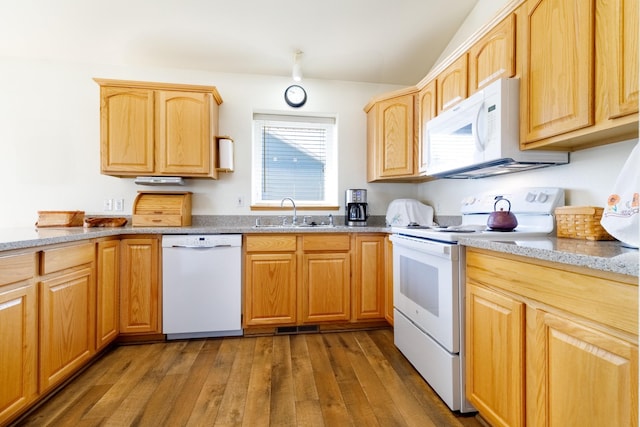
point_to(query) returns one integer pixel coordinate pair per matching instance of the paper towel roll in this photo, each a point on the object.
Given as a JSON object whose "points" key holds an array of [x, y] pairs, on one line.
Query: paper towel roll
{"points": [[225, 153]]}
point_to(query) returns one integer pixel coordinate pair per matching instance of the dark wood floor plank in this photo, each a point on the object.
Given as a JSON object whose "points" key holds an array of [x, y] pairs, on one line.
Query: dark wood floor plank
{"points": [[77, 409], [234, 399], [170, 380], [382, 403], [283, 401], [403, 399], [186, 395], [182, 364], [257, 408], [425, 395], [333, 408], [353, 394], [130, 410], [307, 402], [328, 379], [127, 380], [208, 401], [66, 397], [304, 385]]}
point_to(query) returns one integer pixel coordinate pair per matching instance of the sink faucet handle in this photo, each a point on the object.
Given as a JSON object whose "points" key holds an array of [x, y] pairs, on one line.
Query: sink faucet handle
{"points": [[330, 219], [304, 219]]}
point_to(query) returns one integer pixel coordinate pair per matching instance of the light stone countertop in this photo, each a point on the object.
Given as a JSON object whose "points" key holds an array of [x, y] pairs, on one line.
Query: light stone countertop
{"points": [[29, 237], [602, 255], [609, 256]]}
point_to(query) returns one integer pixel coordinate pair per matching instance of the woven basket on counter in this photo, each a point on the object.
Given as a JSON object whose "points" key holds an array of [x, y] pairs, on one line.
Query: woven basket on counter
{"points": [[580, 222]]}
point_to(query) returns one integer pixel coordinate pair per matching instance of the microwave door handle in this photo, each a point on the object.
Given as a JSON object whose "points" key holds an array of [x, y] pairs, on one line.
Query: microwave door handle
{"points": [[479, 143]]}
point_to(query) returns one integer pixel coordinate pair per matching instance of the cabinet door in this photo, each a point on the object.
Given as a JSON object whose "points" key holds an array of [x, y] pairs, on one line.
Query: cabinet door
{"points": [[270, 289], [18, 334], [140, 298], [493, 56], [185, 133], [388, 281], [620, 55], [557, 83], [325, 287], [452, 84], [394, 137], [591, 378], [67, 325], [427, 109], [126, 131], [107, 281], [495, 356], [369, 278]]}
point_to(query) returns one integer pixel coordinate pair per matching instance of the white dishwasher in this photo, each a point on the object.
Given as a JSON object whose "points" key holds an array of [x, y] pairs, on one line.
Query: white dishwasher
{"points": [[201, 285]]}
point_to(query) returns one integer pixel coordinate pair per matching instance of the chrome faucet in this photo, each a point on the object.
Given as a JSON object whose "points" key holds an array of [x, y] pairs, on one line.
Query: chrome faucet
{"points": [[294, 220]]}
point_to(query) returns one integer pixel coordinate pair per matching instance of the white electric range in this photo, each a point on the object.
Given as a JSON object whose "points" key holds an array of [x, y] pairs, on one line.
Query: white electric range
{"points": [[428, 282]]}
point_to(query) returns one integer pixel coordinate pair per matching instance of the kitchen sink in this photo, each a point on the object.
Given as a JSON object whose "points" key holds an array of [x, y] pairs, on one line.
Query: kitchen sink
{"points": [[289, 226]]}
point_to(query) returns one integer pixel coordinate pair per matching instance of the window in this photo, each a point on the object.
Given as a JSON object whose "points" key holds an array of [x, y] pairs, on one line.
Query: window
{"points": [[294, 156]]}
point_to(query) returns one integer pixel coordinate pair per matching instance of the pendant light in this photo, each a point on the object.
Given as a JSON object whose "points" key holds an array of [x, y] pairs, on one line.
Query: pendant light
{"points": [[296, 72]]}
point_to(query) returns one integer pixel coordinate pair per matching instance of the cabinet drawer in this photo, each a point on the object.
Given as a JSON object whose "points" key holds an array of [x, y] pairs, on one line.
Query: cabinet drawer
{"points": [[324, 242], [15, 268], [271, 243], [60, 258], [159, 220]]}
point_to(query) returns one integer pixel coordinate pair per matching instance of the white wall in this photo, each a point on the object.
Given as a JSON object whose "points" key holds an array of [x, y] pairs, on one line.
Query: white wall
{"points": [[49, 137], [588, 179]]}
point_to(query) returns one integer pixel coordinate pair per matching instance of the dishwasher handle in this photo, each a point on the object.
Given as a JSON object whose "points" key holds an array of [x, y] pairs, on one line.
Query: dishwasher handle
{"points": [[228, 245]]}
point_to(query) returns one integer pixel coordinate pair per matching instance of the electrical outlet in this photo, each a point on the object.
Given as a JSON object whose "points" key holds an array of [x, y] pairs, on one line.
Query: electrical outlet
{"points": [[239, 201], [118, 205], [107, 205]]}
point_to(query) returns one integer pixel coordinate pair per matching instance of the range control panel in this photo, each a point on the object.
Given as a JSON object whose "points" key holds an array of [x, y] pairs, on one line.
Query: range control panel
{"points": [[535, 200]]}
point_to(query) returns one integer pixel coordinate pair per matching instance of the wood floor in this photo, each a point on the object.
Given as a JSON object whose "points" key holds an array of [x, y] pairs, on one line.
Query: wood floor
{"points": [[329, 379]]}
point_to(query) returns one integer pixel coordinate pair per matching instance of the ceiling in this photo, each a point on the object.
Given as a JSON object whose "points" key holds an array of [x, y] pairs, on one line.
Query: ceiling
{"points": [[376, 41]]}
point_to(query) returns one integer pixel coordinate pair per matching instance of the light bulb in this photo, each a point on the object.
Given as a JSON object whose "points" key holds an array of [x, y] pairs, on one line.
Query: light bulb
{"points": [[296, 72]]}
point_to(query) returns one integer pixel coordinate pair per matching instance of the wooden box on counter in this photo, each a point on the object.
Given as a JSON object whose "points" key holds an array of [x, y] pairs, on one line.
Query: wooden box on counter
{"points": [[162, 209]]}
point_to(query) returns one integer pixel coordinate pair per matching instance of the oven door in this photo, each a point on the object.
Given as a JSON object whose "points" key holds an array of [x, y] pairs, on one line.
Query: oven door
{"points": [[426, 287]]}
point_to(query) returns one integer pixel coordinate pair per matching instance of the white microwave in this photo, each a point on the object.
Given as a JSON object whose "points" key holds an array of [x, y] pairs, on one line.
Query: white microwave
{"points": [[480, 137]]}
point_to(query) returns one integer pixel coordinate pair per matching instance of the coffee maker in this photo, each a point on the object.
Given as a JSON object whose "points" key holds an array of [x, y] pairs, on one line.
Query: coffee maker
{"points": [[355, 207]]}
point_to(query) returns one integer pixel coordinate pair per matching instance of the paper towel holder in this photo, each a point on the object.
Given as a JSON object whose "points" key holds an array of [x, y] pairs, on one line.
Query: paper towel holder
{"points": [[225, 160]]}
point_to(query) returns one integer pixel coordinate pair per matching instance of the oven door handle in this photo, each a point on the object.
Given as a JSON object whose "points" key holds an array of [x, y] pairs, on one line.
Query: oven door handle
{"points": [[422, 245]]}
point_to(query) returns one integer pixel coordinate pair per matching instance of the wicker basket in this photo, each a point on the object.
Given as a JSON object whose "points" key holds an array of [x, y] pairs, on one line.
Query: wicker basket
{"points": [[580, 222]]}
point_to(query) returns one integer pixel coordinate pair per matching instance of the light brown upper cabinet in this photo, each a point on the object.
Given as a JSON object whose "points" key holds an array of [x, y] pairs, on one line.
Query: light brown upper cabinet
{"points": [[158, 129], [557, 84], [579, 73], [493, 56], [452, 84], [391, 138], [427, 109], [620, 56]]}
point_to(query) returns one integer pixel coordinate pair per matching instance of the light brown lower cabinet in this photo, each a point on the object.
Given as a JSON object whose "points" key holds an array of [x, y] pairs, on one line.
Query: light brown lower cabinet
{"points": [[325, 291], [67, 312], [140, 295], [18, 334], [108, 292], [297, 279], [388, 279], [548, 345], [369, 277], [270, 292]]}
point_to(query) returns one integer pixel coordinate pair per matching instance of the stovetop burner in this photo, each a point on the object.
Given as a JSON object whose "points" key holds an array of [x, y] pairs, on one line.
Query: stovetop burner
{"points": [[533, 206]]}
